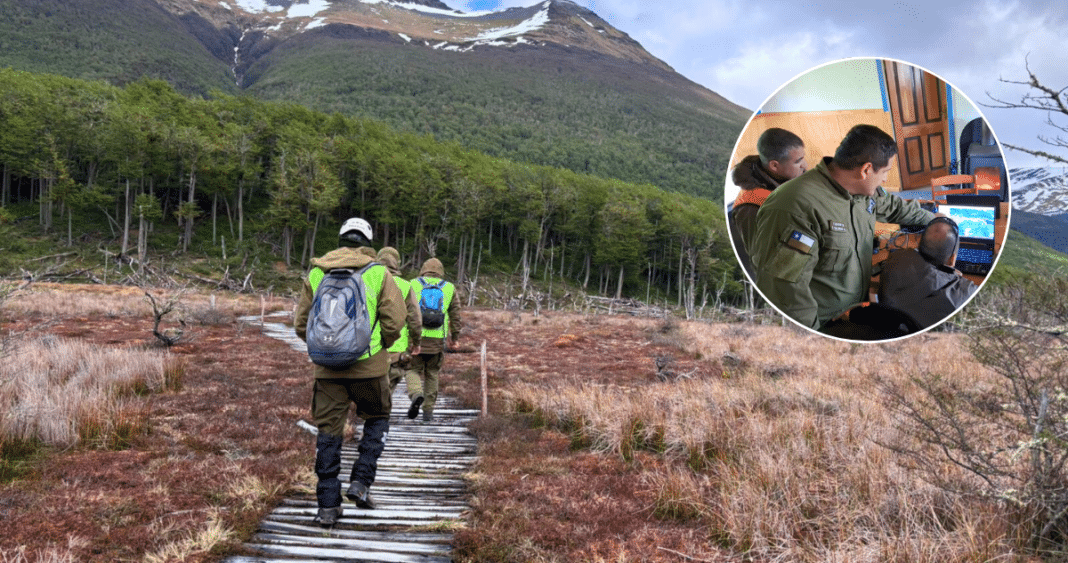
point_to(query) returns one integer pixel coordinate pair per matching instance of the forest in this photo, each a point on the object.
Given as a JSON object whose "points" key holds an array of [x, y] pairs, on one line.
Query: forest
{"points": [[239, 176]]}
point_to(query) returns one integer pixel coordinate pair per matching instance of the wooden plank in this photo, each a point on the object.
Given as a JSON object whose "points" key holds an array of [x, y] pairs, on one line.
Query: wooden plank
{"points": [[285, 528], [338, 555], [378, 513], [419, 488], [413, 548]]}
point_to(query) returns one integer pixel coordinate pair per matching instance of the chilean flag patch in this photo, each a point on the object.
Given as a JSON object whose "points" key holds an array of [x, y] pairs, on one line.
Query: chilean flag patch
{"points": [[800, 241]]}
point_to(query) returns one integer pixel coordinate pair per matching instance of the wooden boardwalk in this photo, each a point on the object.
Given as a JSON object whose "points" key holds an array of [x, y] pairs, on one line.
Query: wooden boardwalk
{"points": [[419, 490]]}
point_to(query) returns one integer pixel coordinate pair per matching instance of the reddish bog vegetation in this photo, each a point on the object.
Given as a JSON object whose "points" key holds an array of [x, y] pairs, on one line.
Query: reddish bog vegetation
{"points": [[222, 450]]}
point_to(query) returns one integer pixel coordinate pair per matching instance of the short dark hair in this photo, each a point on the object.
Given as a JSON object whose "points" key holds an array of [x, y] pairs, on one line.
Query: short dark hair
{"points": [[865, 143], [353, 239], [939, 250], [776, 144]]}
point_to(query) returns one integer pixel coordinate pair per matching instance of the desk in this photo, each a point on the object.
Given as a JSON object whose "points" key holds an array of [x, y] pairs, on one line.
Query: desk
{"points": [[886, 230]]}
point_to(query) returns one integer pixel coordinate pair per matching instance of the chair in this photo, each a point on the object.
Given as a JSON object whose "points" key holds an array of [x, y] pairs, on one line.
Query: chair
{"points": [[952, 185]]}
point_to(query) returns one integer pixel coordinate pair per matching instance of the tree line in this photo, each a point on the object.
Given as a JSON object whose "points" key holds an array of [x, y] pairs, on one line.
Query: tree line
{"points": [[228, 168]]}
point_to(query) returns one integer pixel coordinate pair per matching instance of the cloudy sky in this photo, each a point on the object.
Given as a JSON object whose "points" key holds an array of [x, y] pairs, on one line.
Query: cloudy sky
{"points": [[745, 50]]}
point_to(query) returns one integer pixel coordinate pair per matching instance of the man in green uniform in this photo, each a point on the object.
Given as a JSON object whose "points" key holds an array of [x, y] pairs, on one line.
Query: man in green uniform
{"points": [[813, 247], [780, 157], [400, 353], [422, 376], [365, 383]]}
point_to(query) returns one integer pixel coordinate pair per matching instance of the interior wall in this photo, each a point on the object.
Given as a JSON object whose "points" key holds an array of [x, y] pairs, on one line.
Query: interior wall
{"points": [[820, 130], [844, 85]]}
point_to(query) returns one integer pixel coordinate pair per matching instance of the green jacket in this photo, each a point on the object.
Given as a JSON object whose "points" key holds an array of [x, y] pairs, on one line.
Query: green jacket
{"points": [[413, 329], [813, 247], [388, 311], [433, 340]]}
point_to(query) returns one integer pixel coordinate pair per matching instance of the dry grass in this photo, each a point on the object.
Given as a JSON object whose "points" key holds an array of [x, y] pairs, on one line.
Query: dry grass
{"points": [[767, 451], [64, 300], [773, 448], [64, 392], [205, 428], [198, 542]]}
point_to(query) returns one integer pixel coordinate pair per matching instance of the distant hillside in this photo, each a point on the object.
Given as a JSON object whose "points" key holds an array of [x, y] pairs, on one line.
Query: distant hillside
{"points": [[116, 41], [550, 84], [1024, 256], [1050, 230], [545, 105]]}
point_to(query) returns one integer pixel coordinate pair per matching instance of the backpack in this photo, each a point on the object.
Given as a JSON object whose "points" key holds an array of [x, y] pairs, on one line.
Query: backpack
{"points": [[432, 303], [339, 324]]}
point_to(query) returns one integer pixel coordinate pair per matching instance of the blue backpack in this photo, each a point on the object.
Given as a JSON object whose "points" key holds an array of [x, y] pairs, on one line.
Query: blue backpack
{"points": [[339, 324], [432, 303]]}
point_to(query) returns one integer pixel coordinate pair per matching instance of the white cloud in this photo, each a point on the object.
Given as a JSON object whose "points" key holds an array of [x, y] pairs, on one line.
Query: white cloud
{"points": [[745, 50]]}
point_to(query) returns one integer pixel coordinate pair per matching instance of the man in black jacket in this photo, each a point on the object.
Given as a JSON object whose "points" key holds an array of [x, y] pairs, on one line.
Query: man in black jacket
{"points": [[922, 283]]}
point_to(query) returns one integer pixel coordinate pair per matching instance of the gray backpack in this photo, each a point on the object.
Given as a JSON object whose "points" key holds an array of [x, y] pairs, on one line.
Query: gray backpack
{"points": [[339, 324]]}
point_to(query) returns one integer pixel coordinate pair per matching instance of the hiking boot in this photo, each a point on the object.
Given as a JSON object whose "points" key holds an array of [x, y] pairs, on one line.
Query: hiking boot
{"points": [[413, 410], [359, 494], [327, 517], [428, 415]]}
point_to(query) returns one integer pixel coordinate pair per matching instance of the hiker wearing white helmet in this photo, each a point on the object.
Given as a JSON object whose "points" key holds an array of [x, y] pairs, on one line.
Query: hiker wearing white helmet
{"points": [[365, 382]]}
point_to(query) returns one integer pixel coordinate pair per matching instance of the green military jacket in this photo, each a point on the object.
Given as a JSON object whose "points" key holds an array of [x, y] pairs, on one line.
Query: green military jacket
{"points": [[813, 247], [388, 311]]}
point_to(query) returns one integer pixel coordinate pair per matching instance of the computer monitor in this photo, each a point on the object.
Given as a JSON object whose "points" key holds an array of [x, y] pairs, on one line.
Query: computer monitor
{"points": [[974, 221], [982, 200]]}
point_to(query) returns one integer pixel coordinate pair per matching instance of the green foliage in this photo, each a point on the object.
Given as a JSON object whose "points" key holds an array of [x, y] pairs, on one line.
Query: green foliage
{"points": [[274, 178], [516, 104], [111, 40], [18, 458], [1023, 257]]}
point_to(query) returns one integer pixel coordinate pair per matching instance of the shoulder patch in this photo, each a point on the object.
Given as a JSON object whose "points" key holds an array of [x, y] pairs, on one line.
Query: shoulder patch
{"points": [[800, 242], [871, 205]]}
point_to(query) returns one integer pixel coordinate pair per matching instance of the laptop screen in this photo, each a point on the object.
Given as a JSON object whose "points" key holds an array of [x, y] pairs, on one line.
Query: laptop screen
{"points": [[974, 221]]}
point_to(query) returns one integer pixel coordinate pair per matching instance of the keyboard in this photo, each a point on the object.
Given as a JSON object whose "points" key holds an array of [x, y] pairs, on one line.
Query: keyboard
{"points": [[974, 261], [975, 256]]}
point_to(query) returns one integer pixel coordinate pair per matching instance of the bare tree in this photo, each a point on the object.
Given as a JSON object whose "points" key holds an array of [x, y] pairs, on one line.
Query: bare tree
{"points": [[1010, 432], [161, 308], [1052, 101]]}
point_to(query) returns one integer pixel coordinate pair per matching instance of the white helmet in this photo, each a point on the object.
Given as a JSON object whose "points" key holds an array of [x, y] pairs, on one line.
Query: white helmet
{"points": [[358, 225]]}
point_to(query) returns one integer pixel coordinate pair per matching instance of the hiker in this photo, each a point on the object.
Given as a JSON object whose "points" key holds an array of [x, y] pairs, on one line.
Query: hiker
{"points": [[440, 310], [400, 353], [365, 383], [780, 157]]}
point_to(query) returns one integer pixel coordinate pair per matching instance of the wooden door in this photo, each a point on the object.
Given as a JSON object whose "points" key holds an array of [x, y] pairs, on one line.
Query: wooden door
{"points": [[921, 126]]}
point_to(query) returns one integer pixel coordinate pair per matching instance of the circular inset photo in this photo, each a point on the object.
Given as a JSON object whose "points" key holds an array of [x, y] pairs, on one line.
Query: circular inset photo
{"points": [[867, 199]]}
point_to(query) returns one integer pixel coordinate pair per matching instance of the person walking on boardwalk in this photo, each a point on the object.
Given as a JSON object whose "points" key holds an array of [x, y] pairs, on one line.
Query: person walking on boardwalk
{"points": [[441, 321], [365, 382], [400, 353]]}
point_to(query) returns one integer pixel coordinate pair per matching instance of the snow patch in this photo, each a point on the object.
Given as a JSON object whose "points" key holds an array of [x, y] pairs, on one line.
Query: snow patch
{"points": [[308, 10], [526, 26], [258, 6], [317, 22], [405, 38]]}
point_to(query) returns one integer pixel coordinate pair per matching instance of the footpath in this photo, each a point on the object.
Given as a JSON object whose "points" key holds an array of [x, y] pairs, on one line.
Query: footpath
{"points": [[419, 490]]}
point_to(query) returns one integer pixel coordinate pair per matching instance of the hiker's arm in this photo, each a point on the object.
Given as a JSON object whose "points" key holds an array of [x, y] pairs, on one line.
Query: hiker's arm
{"points": [[300, 314], [456, 324], [392, 313]]}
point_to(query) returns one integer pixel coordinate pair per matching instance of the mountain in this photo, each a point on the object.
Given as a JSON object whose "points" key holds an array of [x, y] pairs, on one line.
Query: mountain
{"points": [[552, 83], [1040, 190], [1040, 205]]}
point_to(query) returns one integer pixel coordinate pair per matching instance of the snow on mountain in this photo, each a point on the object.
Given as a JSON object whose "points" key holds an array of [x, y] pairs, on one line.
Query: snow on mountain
{"points": [[533, 24], [1040, 190]]}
